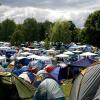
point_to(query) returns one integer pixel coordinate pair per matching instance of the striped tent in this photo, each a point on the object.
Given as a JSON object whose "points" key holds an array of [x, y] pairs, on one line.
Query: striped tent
{"points": [[87, 84]]}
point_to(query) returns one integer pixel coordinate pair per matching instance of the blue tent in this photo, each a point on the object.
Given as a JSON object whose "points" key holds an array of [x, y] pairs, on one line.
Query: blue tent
{"points": [[9, 53], [83, 62], [40, 65], [24, 61], [19, 71]]}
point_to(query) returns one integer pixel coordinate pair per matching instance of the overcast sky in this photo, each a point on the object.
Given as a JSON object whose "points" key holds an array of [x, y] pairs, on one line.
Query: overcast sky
{"points": [[75, 10]]}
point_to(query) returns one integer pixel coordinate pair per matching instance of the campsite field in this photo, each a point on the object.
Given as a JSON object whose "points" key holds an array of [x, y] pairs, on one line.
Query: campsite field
{"points": [[66, 87]]}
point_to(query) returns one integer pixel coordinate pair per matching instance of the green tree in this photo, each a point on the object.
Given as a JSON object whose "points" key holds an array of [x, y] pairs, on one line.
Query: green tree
{"points": [[72, 28], [41, 31], [60, 32], [19, 26], [77, 35], [17, 37], [0, 33], [7, 29], [47, 43], [47, 24], [30, 29], [91, 32]]}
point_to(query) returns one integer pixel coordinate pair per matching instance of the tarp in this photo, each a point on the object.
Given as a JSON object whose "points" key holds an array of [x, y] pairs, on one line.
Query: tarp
{"points": [[87, 85]]}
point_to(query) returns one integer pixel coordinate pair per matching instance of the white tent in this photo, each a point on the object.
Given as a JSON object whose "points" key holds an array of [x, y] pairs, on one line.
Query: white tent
{"points": [[4, 48], [62, 56], [88, 54], [25, 76], [51, 50], [46, 59], [74, 47], [77, 51], [33, 56], [19, 58], [68, 53], [43, 58], [25, 53], [35, 49], [3, 59], [26, 49]]}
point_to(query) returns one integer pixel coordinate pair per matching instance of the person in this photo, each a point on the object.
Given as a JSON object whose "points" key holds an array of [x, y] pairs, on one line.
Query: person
{"points": [[48, 88]]}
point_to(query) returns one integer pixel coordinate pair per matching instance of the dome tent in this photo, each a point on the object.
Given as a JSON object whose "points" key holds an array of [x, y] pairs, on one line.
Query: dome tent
{"points": [[87, 84], [19, 88]]}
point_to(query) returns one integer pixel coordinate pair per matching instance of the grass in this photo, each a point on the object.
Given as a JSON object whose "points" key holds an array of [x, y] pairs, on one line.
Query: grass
{"points": [[66, 87]]}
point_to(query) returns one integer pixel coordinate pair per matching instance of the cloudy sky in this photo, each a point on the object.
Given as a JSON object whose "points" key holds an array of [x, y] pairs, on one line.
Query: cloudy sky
{"points": [[75, 10]]}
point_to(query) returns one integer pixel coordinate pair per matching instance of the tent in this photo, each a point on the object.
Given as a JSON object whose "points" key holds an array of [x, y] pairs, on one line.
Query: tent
{"points": [[25, 54], [40, 64], [68, 53], [11, 65], [83, 62], [14, 88], [33, 56], [80, 64], [49, 89], [3, 60], [53, 71], [49, 68], [28, 76], [58, 72], [51, 52], [87, 84], [62, 56], [2, 69], [46, 59], [77, 51], [24, 60], [88, 54]]}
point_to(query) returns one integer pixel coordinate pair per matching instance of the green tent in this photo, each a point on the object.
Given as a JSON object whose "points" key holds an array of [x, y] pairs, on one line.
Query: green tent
{"points": [[15, 88]]}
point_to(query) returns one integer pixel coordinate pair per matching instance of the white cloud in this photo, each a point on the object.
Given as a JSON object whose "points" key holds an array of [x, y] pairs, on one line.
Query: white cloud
{"points": [[52, 4], [75, 10]]}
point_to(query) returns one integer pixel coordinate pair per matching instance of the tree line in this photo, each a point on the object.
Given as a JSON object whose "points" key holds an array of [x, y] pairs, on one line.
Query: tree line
{"points": [[58, 31]]}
